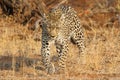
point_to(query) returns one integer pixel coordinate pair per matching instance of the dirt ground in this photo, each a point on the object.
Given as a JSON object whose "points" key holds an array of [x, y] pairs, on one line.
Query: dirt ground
{"points": [[20, 47]]}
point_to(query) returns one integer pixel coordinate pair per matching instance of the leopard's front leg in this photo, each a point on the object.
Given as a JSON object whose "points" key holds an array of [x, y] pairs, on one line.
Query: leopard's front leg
{"points": [[62, 49], [45, 51]]}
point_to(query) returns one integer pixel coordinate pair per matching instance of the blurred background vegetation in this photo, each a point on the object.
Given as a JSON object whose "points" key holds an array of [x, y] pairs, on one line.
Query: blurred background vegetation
{"points": [[20, 46]]}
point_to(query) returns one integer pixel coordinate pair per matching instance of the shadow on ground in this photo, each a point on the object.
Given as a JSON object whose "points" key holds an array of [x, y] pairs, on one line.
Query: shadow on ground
{"points": [[15, 63]]}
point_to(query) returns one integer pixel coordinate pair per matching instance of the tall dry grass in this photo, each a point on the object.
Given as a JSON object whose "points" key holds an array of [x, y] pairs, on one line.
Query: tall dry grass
{"points": [[19, 52]]}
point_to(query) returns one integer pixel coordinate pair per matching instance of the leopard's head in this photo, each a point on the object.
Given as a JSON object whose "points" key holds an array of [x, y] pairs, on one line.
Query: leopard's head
{"points": [[53, 21]]}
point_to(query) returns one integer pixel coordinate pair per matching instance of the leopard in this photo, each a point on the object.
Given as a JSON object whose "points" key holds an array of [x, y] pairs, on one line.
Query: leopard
{"points": [[62, 25]]}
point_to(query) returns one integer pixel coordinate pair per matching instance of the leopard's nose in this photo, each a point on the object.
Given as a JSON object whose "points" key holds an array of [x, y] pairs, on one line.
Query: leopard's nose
{"points": [[52, 36]]}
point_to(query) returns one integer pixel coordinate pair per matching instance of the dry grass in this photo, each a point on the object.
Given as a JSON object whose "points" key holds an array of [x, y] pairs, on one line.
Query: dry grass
{"points": [[20, 51]]}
